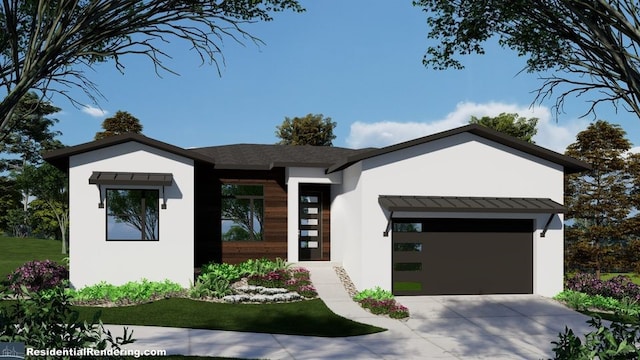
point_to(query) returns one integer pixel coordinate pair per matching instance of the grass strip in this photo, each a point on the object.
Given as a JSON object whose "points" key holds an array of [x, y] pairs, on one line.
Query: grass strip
{"points": [[308, 318], [16, 251]]}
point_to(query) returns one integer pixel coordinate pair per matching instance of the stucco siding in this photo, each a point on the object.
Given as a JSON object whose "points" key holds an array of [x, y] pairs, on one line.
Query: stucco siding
{"points": [[92, 258], [460, 165]]}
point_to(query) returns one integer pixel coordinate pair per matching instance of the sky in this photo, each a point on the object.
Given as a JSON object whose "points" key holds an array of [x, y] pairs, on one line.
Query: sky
{"points": [[358, 62]]}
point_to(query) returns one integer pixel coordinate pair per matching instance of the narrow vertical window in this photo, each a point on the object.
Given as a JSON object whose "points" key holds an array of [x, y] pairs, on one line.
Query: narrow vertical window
{"points": [[132, 214], [242, 212]]}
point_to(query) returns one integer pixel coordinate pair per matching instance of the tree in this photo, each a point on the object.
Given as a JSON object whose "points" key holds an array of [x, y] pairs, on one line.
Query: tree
{"points": [[510, 124], [29, 133], [48, 45], [592, 43], [51, 187], [308, 130], [599, 199], [120, 123]]}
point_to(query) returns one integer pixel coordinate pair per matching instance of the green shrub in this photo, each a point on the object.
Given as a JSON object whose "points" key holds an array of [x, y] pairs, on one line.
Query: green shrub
{"points": [[45, 320], [381, 302], [615, 342], [247, 268], [377, 294], [131, 292], [208, 285], [581, 302]]}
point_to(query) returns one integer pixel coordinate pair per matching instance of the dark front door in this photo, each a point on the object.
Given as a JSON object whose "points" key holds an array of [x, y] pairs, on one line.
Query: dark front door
{"points": [[310, 226]]}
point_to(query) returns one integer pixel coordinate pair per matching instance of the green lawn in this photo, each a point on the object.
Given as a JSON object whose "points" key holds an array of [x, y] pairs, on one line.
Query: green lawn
{"points": [[634, 277], [16, 252], [311, 318], [297, 318]]}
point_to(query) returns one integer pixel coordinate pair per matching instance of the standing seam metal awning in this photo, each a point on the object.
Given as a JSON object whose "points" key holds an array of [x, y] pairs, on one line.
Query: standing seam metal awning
{"points": [[469, 204], [131, 178]]}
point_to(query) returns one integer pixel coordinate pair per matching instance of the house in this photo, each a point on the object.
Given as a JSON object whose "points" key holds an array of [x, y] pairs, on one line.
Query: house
{"points": [[465, 211]]}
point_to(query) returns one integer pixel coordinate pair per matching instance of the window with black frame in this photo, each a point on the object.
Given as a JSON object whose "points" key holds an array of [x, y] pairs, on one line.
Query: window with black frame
{"points": [[242, 212], [132, 215]]}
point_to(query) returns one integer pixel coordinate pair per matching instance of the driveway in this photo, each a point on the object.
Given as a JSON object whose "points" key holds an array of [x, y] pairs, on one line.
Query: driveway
{"points": [[440, 327]]}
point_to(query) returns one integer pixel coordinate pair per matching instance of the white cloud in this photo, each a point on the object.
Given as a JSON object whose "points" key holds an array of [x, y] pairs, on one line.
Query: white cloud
{"points": [[635, 150], [551, 134], [94, 111]]}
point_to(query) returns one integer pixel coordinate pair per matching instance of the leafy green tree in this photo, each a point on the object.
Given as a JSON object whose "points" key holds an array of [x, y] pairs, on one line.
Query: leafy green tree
{"points": [[588, 45], [30, 133], [599, 199], [244, 206], [510, 124], [10, 198], [48, 45], [308, 130], [120, 123]]}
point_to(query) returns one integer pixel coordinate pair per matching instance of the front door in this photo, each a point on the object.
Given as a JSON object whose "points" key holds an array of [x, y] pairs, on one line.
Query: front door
{"points": [[310, 226]]}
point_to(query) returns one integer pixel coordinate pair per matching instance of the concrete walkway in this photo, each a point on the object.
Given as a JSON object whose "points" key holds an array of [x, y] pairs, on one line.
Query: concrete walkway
{"points": [[440, 327]]}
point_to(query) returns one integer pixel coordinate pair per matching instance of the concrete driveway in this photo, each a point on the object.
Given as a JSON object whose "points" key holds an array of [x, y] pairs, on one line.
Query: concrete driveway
{"points": [[440, 327]]}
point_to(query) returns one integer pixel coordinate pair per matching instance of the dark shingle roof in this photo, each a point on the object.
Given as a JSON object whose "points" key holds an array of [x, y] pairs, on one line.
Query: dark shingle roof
{"points": [[570, 164], [264, 157]]}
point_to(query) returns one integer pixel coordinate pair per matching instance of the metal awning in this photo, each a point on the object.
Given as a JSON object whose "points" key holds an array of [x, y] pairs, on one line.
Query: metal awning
{"points": [[131, 178], [469, 204]]}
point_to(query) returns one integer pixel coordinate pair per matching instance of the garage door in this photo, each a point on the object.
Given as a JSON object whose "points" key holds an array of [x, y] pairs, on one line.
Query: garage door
{"points": [[462, 256]]}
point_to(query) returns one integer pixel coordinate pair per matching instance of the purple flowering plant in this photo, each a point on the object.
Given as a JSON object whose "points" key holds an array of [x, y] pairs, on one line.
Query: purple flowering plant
{"points": [[38, 275], [619, 287]]}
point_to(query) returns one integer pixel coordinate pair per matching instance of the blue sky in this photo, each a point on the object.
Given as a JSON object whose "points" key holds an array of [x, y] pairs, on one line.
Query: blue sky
{"points": [[356, 61]]}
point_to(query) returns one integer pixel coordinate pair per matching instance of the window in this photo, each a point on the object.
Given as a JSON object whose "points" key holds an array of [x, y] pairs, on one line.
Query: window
{"points": [[242, 212], [132, 214]]}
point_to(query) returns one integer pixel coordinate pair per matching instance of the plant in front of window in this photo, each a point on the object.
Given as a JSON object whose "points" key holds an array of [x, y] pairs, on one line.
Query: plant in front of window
{"points": [[132, 214]]}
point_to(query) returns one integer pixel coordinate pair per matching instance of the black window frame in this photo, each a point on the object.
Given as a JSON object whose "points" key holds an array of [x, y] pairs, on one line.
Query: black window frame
{"points": [[252, 206], [143, 210]]}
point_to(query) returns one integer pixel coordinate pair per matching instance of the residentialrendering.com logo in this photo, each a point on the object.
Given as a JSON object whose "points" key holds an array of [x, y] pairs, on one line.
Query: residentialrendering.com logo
{"points": [[11, 350]]}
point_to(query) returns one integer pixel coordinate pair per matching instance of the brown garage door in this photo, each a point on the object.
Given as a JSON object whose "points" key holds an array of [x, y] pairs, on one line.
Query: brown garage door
{"points": [[462, 256]]}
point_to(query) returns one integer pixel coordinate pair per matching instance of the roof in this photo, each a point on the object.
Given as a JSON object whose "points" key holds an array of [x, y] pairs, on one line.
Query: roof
{"points": [[265, 157], [570, 164], [60, 157], [131, 178], [469, 204]]}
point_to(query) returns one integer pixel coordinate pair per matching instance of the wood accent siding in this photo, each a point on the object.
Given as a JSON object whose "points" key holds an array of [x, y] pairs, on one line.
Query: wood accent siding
{"points": [[209, 244]]}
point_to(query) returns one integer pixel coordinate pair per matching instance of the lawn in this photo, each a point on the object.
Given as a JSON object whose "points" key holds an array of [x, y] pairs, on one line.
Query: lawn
{"points": [[16, 251], [297, 318], [310, 318], [635, 278]]}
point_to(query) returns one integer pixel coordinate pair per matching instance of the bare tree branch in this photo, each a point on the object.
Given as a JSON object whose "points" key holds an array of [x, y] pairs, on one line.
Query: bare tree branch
{"points": [[47, 45]]}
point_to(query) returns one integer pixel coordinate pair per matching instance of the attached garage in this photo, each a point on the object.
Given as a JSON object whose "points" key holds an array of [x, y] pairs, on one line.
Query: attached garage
{"points": [[464, 255]]}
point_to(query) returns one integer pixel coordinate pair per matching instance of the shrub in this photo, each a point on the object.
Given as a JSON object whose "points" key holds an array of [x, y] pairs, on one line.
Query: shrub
{"points": [[45, 320], [38, 275], [131, 292], [208, 285], [249, 267], [619, 287], [381, 302], [615, 342], [275, 278], [377, 293]]}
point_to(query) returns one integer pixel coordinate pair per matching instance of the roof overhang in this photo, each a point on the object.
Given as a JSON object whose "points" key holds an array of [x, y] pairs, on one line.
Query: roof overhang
{"points": [[131, 178], [400, 203]]}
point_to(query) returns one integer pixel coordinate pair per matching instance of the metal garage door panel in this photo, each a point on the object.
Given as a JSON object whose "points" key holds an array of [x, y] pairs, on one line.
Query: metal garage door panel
{"points": [[463, 256], [478, 263]]}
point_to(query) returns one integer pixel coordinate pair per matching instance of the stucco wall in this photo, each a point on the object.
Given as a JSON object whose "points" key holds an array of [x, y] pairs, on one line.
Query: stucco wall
{"points": [[460, 165], [92, 258]]}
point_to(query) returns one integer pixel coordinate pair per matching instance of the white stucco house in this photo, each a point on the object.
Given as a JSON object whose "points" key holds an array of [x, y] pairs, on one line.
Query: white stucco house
{"points": [[465, 211]]}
